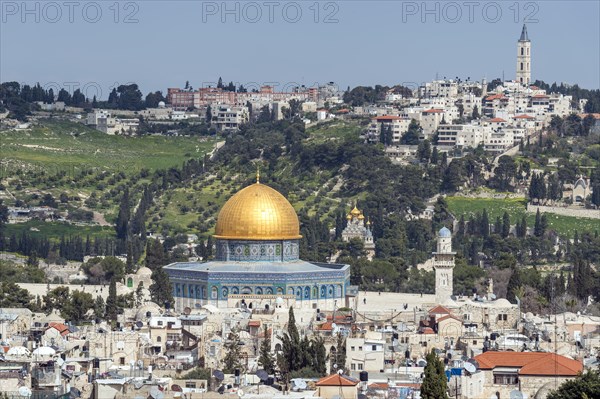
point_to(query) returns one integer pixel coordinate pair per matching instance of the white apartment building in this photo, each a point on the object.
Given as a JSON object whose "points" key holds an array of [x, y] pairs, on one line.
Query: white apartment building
{"points": [[439, 88], [498, 141], [398, 124], [366, 353], [110, 125], [469, 102], [462, 136], [227, 119], [430, 121], [92, 117]]}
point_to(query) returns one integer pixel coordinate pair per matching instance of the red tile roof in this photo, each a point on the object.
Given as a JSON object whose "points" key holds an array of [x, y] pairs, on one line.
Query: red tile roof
{"points": [[254, 323], [433, 111], [541, 96], [530, 363], [427, 330], [336, 380], [388, 118], [60, 327], [327, 326], [439, 309], [524, 117], [497, 120], [495, 97]]}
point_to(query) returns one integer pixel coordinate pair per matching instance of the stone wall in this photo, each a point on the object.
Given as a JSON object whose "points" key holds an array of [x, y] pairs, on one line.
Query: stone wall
{"points": [[559, 210]]}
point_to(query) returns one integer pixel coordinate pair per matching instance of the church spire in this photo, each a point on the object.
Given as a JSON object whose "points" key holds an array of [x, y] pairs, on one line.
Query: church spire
{"points": [[524, 36]]}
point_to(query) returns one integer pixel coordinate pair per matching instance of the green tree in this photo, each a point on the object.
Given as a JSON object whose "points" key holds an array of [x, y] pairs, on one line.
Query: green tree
{"points": [[505, 225], [121, 226], [585, 386], [514, 284], [76, 307], [411, 137], [13, 296], [475, 113], [112, 309], [155, 254], [434, 384], [99, 307], [160, 289], [233, 353], [266, 360]]}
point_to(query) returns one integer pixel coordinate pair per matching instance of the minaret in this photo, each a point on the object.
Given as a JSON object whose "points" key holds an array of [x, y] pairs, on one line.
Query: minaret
{"points": [[524, 58], [443, 264]]}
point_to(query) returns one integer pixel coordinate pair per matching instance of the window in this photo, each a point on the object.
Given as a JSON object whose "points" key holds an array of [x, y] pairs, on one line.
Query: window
{"points": [[353, 366], [373, 347], [122, 361], [190, 384], [360, 366], [360, 348], [160, 323], [506, 379], [352, 348], [502, 317]]}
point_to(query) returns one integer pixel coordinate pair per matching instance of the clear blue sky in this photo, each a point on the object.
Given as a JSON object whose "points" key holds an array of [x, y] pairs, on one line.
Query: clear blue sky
{"points": [[364, 43]]}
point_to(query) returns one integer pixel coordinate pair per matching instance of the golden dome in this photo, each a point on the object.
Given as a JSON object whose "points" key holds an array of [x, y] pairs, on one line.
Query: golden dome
{"points": [[361, 217], [355, 211], [258, 212]]}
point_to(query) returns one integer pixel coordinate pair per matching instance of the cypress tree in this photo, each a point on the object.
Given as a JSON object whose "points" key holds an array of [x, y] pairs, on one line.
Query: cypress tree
{"points": [[265, 357], [434, 384], [505, 225], [112, 309]]}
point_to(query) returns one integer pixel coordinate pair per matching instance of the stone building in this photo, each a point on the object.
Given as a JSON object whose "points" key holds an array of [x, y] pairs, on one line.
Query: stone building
{"points": [[356, 227], [524, 58], [533, 374], [444, 266]]}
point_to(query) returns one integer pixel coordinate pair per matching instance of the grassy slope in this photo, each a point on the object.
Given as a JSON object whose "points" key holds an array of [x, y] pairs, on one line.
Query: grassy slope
{"points": [[66, 146], [516, 209]]}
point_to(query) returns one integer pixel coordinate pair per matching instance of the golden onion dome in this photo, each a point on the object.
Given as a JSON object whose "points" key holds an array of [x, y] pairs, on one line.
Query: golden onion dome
{"points": [[258, 212], [355, 212], [349, 217], [361, 217]]}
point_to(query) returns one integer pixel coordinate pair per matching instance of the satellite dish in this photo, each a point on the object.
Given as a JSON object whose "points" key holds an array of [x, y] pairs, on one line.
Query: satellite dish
{"points": [[421, 363], [25, 391], [301, 384], [176, 388], [187, 311], [219, 375], [473, 362], [139, 324], [262, 374], [470, 368], [516, 394], [240, 393], [493, 296]]}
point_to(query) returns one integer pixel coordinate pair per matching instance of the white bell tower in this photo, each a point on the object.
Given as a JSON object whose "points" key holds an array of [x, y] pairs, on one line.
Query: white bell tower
{"points": [[444, 265], [524, 58]]}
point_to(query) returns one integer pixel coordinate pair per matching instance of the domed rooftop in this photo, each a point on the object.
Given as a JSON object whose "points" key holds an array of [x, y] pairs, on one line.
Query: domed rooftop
{"points": [[258, 212], [144, 271], [444, 232]]}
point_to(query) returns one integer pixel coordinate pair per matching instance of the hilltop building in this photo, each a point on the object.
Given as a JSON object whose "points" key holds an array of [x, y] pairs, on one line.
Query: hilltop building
{"points": [[524, 58], [444, 265], [257, 262], [356, 227]]}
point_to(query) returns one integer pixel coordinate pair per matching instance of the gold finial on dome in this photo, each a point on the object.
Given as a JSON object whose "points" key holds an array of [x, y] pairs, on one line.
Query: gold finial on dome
{"points": [[257, 212], [258, 175]]}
